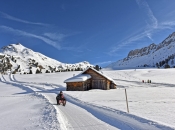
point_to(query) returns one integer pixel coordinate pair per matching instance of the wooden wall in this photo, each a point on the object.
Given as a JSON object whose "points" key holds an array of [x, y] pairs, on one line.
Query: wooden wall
{"points": [[87, 85], [79, 86], [98, 81], [75, 86], [113, 86]]}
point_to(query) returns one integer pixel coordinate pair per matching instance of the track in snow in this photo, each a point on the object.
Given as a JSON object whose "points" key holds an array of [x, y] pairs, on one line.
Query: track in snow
{"points": [[73, 117], [77, 118]]}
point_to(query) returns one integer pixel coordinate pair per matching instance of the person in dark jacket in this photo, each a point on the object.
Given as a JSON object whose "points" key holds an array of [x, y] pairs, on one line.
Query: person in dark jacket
{"points": [[60, 96]]}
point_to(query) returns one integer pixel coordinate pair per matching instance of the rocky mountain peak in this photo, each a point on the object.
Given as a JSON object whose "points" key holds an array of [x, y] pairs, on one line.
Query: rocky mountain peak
{"points": [[153, 55], [142, 51], [14, 48], [20, 59]]}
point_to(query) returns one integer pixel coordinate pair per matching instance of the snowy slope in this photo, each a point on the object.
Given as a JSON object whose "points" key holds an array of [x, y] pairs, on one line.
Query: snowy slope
{"points": [[148, 103], [151, 56], [23, 109], [151, 105], [20, 59]]}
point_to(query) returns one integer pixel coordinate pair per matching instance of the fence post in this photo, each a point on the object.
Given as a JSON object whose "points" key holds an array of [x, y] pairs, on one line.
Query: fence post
{"points": [[126, 101]]}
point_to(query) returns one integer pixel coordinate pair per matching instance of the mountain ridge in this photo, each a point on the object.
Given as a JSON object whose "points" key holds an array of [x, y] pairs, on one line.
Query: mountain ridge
{"points": [[159, 55], [17, 58]]}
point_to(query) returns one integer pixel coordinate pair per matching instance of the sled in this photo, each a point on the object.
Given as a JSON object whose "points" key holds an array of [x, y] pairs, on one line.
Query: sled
{"points": [[61, 102]]}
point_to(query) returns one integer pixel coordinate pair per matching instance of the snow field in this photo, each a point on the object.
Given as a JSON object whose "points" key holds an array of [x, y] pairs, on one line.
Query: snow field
{"points": [[151, 105], [145, 100], [25, 110], [66, 117]]}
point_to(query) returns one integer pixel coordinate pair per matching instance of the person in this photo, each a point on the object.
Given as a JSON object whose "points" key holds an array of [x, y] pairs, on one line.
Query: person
{"points": [[148, 81], [60, 96]]}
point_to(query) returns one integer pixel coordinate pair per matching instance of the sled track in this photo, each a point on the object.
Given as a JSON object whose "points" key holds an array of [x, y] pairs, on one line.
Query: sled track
{"points": [[73, 117]]}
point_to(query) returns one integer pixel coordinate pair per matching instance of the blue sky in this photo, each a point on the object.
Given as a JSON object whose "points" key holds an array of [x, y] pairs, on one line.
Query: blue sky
{"points": [[98, 31]]}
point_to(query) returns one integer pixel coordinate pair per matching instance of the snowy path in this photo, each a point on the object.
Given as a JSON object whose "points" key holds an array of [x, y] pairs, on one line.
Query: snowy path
{"points": [[23, 109], [70, 117], [77, 118], [74, 117]]}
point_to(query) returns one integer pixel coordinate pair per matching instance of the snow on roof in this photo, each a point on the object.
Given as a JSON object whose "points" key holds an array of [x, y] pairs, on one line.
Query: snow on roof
{"points": [[100, 74], [78, 78]]}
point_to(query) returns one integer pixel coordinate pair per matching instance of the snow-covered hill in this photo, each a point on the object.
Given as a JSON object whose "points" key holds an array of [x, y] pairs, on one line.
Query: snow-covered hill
{"points": [[161, 55], [28, 102], [19, 59]]}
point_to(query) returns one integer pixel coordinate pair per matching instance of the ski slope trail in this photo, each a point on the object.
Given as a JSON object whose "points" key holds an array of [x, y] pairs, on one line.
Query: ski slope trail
{"points": [[71, 117], [78, 116], [24, 109]]}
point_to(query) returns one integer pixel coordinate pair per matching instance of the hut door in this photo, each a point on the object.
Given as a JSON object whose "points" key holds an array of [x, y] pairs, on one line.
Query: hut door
{"points": [[103, 84], [98, 84], [93, 84]]}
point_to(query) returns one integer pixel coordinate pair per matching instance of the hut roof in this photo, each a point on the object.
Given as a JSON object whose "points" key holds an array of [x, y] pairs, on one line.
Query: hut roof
{"points": [[78, 78], [100, 73]]}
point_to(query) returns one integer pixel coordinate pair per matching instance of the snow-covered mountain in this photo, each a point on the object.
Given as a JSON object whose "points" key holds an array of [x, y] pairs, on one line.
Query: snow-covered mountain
{"points": [[161, 55], [19, 59]]}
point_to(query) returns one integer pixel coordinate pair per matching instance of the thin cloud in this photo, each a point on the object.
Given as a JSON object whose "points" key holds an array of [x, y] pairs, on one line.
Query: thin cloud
{"points": [[139, 36], [125, 43], [23, 33], [150, 18], [149, 34], [59, 36], [104, 62], [169, 23], [56, 36], [20, 20], [68, 48], [152, 27]]}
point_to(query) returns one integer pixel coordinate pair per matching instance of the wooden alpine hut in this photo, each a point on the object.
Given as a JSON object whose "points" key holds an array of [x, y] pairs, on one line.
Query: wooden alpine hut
{"points": [[89, 79]]}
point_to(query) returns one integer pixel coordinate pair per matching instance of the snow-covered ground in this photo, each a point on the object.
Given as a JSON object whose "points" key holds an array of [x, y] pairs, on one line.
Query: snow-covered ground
{"points": [[28, 102], [23, 109]]}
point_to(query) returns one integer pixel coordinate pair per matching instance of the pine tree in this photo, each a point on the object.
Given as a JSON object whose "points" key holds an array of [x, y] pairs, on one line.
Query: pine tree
{"points": [[97, 67], [172, 62], [166, 61], [167, 66], [37, 71], [30, 72], [47, 71], [12, 58], [160, 64], [163, 62]]}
